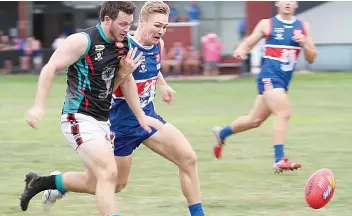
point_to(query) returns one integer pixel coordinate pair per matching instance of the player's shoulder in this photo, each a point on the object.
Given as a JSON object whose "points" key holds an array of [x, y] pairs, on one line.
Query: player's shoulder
{"points": [[263, 26], [77, 39], [305, 25], [265, 22]]}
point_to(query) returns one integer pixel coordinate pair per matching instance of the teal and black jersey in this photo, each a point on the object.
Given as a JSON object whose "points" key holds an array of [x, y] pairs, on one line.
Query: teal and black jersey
{"points": [[90, 80]]}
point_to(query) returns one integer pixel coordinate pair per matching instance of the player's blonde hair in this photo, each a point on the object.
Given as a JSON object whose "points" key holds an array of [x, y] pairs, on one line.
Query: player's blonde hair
{"points": [[153, 7]]}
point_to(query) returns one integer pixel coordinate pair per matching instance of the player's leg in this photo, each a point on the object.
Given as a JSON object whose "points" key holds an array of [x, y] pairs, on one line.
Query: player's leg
{"points": [[81, 182], [124, 165], [258, 114], [89, 139], [278, 101], [170, 143], [98, 158], [85, 182]]}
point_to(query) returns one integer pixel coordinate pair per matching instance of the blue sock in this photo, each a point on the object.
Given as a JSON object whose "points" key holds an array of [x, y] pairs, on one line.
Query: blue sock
{"points": [[196, 209], [225, 132], [278, 152], [115, 215], [59, 184]]}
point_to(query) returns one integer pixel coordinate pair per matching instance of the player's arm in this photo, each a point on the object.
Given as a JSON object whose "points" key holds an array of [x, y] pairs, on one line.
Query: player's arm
{"points": [[259, 32], [118, 80], [128, 65], [73, 47], [310, 51], [129, 89], [161, 80], [167, 93]]}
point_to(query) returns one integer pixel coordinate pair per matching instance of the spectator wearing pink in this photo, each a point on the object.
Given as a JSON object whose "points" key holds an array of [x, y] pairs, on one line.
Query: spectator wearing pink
{"points": [[212, 48]]}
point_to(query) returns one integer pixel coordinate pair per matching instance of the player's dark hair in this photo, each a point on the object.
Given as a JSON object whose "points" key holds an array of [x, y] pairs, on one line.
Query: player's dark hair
{"points": [[112, 9]]}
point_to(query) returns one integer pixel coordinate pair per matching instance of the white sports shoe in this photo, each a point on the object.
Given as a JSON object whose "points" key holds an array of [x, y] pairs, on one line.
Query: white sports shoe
{"points": [[50, 196]]}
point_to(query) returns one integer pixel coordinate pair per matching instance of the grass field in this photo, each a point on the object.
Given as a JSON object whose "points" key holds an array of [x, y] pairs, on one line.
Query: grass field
{"points": [[242, 183]]}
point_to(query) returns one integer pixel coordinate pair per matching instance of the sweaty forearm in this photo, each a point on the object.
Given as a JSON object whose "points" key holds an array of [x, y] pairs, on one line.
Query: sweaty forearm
{"points": [[130, 92], [44, 84]]}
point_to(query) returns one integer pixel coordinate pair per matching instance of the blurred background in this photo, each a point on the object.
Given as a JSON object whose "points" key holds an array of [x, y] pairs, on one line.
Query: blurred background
{"points": [[30, 31]]}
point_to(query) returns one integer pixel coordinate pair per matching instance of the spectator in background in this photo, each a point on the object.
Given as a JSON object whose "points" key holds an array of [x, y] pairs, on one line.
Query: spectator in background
{"points": [[212, 48], [16, 43], [193, 12], [173, 16], [58, 41], [25, 54], [5, 48], [2, 59], [175, 58], [192, 62], [37, 55], [165, 69]]}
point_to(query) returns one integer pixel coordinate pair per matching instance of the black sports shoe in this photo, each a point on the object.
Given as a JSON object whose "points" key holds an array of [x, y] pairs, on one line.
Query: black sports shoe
{"points": [[31, 188]]}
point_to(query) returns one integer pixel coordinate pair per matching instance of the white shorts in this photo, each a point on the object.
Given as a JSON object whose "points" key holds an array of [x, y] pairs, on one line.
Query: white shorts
{"points": [[79, 128]]}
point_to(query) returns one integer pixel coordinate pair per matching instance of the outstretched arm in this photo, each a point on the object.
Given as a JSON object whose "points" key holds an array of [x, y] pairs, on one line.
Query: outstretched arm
{"points": [[65, 55]]}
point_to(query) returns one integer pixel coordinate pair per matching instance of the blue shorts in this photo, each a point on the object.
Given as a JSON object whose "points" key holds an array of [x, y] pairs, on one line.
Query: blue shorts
{"points": [[127, 140], [264, 84]]}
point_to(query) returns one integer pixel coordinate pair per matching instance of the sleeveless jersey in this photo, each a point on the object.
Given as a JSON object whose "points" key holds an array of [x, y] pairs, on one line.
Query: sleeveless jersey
{"points": [[280, 51], [146, 76], [90, 80]]}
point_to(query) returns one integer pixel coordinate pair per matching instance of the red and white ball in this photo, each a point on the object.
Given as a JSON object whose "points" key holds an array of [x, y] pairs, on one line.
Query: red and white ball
{"points": [[320, 188]]}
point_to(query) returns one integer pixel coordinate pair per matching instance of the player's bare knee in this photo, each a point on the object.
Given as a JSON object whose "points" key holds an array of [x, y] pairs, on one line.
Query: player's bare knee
{"points": [[107, 172], [188, 161], [284, 115]]}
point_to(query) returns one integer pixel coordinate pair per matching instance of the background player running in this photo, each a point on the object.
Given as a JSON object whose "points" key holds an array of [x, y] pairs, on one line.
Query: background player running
{"points": [[168, 141], [95, 58], [285, 36]]}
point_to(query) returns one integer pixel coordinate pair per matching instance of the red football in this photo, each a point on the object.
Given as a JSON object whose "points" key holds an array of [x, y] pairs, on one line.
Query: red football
{"points": [[320, 188]]}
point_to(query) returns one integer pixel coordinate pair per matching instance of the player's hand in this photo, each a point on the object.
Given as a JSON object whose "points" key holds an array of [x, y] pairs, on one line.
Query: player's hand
{"points": [[34, 116], [130, 62], [147, 122], [299, 38], [239, 54], [167, 93]]}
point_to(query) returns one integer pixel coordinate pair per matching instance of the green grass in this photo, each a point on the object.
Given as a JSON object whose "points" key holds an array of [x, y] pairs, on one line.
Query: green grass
{"points": [[242, 183]]}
